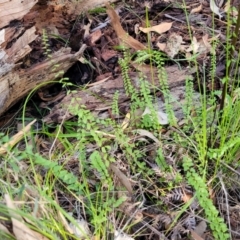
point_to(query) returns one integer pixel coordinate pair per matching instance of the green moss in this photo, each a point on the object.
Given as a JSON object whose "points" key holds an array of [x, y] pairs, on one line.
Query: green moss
{"points": [[97, 10]]}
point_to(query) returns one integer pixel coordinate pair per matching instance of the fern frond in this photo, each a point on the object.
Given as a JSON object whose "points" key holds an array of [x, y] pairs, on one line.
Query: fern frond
{"points": [[217, 224]]}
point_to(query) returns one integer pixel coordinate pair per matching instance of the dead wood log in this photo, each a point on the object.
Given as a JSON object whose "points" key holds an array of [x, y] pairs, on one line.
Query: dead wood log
{"points": [[21, 82], [21, 22], [14, 10], [24, 25], [99, 97]]}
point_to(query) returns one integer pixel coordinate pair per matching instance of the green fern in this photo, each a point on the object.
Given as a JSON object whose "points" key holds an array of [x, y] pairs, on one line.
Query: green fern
{"points": [[129, 88], [149, 120], [115, 107], [217, 224], [187, 106], [101, 164], [46, 45], [162, 77], [68, 178], [124, 63]]}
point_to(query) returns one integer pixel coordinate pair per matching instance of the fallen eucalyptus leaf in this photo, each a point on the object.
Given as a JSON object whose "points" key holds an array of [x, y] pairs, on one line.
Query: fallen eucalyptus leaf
{"points": [[197, 9], [146, 133], [215, 8], [121, 33], [20, 230], [122, 177], [161, 28]]}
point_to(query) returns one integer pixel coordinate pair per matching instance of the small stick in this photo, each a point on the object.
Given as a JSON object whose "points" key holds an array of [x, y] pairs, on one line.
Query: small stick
{"points": [[175, 19]]}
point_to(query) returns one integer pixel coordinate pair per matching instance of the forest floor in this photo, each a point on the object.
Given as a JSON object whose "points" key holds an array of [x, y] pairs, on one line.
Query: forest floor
{"points": [[130, 143]]}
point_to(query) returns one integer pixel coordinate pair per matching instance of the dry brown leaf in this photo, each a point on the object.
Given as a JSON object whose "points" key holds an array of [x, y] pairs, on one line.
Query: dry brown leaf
{"points": [[138, 217], [122, 35], [161, 46], [195, 236], [202, 46], [108, 54], [146, 133], [95, 36], [194, 46], [186, 197], [197, 9], [87, 29], [200, 228], [173, 45], [16, 138], [122, 177], [215, 9], [126, 121], [161, 28], [199, 231], [20, 230], [65, 223]]}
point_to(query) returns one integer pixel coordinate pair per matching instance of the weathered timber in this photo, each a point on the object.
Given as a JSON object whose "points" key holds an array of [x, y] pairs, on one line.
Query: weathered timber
{"points": [[21, 23]]}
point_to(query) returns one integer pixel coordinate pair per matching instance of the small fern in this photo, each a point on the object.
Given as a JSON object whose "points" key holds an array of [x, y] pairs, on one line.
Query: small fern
{"points": [[115, 107], [187, 107], [217, 224], [63, 175], [46, 45], [160, 160], [100, 164], [129, 88], [47, 53], [124, 63], [162, 76], [149, 119]]}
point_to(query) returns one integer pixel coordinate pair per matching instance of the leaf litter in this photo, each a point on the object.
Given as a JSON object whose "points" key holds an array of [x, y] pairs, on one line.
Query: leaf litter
{"points": [[168, 32]]}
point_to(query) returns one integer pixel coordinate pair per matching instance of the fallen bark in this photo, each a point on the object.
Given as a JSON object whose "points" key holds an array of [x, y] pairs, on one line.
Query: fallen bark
{"points": [[21, 23], [99, 97], [21, 82]]}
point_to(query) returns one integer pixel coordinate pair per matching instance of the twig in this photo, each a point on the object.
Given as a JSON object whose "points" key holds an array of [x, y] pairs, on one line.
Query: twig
{"points": [[173, 18], [223, 163], [227, 204]]}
